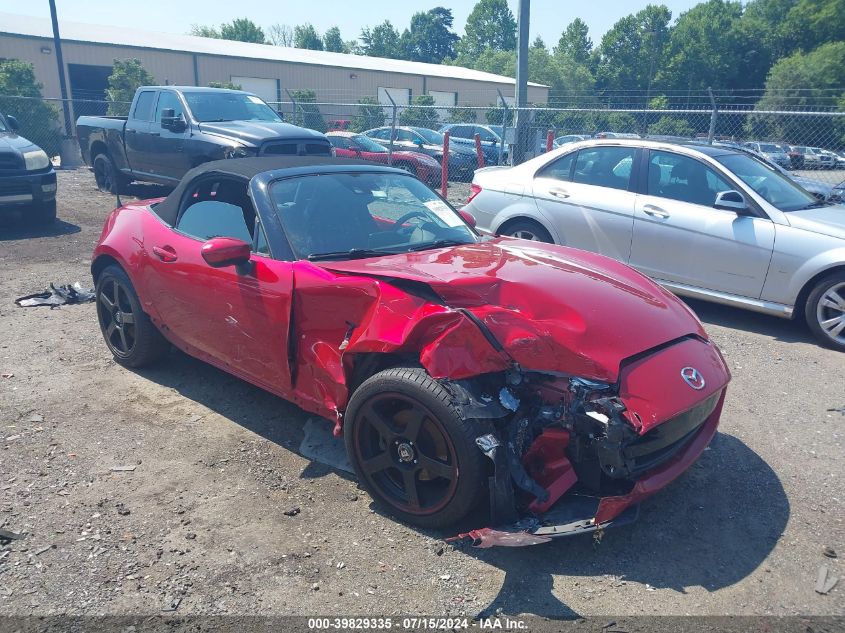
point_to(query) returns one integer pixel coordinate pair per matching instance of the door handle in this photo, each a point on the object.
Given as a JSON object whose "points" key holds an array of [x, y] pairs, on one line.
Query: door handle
{"points": [[557, 192], [131, 131], [655, 212], [166, 254]]}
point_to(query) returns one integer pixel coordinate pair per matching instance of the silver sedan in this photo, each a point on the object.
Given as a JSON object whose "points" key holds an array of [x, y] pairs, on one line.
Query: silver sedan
{"points": [[706, 222]]}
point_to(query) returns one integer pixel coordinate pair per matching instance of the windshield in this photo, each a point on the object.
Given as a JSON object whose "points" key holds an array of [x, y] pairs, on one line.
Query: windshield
{"points": [[228, 106], [366, 144], [342, 216], [3, 127], [430, 136], [770, 148], [774, 188]]}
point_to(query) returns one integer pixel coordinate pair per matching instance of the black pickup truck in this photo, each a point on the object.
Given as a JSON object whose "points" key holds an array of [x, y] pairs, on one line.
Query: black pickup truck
{"points": [[171, 129]]}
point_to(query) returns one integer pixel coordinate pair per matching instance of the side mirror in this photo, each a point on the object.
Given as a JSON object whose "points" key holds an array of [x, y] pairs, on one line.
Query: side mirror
{"points": [[731, 201], [219, 252], [13, 123], [468, 217], [419, 142], [169, 120]]}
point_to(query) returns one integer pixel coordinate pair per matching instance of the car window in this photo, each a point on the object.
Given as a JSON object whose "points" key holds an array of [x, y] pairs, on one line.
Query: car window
{"points": [[218, 208], [383, 134], [561, 169], [262, 247], [166, 100], [605, 167], [144, 105], [340, 141], [486, 135], [777, 189], [405, 135], [683, 178]]}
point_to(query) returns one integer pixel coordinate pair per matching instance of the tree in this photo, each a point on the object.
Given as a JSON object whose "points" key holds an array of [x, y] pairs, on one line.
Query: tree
{"points": [[461, 115], [205, 31], [370, 114], [575, 44], [126, 77], [430, 38], [306, 36], [20, 96], [423, 116], [333, 42], [668, 125], [307, 113], [813, 22], [224, 84], [490, 25], [381, 41], [243, 30], [628, 53], [280, 35], [496, 113]]}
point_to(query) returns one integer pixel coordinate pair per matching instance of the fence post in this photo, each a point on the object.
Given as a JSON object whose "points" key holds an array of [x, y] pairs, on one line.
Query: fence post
{"points": [[392, 130], [478, 153], [293, 105], [713, 116], [550, 140], [504, 124], [444, 166]]}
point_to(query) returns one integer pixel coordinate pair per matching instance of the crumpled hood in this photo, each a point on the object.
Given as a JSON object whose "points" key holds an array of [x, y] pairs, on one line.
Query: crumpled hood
{"points": [[257, 132], [552, 308]]}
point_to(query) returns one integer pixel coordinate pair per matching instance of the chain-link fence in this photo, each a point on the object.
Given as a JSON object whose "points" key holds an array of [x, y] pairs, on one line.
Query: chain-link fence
{"points": [[807, 143]]}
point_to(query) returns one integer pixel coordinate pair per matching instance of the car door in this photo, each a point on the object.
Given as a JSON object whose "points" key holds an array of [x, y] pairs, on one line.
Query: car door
{"points": [[681, 238], [136, 134], [235, 317], [588, 198], [172, 161]]}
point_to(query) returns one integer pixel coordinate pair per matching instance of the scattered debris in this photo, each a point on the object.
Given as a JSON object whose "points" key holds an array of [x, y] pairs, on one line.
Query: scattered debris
{"points": [[7, 537], [352, 496], [35, 418], [291, 512], [445, 577], [122, 510], [829, 552], [7, 374], [173, 604], [824, 581], [46, 548], [55, 297], [191, 536], [123, 469], [315, 586]]}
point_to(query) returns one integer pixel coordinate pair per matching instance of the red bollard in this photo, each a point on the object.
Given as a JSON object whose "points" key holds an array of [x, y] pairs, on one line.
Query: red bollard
{"points": [[478, 151], [444, 166], [550, 140]]}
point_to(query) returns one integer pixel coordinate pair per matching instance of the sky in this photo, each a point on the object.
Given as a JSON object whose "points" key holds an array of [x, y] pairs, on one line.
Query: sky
{"points": [[548, 17]]}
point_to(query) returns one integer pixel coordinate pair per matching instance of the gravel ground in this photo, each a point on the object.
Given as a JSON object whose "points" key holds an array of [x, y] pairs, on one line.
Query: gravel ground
{"points": [[201, 523]]}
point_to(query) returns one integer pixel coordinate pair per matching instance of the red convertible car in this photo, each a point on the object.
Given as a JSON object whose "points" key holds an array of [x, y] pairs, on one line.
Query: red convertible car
{"points": [[350, 145], [556, 387]]}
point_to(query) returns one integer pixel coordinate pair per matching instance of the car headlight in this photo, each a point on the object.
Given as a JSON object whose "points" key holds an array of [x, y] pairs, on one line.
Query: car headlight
{"points": [[241, 152], [36, 159]]}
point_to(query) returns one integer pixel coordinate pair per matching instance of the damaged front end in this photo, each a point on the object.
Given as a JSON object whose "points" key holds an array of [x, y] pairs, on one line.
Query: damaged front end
{"points": [[571, 455]]}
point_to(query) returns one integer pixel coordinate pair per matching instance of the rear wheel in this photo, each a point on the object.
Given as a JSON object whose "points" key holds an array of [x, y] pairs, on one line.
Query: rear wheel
{"points": [[44, 213], [129, 334], [411, 449], [825, 311], [107, 176], [527, 230]]}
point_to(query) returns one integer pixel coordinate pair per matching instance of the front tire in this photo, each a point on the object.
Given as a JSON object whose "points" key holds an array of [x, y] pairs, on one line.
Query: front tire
{"points": [[411, 449], [825, 311], [527, 230], [130, 336], [44, 213]]}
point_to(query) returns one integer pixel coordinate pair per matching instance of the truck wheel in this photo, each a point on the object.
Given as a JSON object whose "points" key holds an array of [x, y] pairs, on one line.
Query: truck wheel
{"points": [[825, 311], [44, 213], [412, 450], [108, 178]]}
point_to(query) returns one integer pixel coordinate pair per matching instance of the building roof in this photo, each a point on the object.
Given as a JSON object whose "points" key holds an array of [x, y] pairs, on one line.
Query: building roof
{"points": [[13, 24]]}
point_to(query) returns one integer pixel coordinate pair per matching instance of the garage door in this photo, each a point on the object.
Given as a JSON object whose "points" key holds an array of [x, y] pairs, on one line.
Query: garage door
{"points": [[264, 88], [443, 101]]}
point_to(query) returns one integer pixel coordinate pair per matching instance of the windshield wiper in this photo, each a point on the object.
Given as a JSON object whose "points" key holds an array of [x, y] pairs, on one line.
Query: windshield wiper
{"points": [[437, 244], [352, 253], [816, 205]]}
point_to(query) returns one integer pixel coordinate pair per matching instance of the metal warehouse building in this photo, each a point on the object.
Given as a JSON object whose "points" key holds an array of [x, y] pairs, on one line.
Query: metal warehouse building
{"points": [[269, 71]]}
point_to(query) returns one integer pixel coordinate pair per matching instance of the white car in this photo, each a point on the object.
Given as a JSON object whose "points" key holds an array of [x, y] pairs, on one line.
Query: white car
{"points": [[706, 222]]}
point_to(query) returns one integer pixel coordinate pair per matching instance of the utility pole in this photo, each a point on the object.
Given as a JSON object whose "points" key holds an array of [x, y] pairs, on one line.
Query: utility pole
{"points": [[521, 123], [57, 44]]}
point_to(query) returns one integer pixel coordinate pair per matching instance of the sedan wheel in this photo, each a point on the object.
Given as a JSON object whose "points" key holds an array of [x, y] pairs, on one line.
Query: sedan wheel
{"points": [[825, 311], [527, 230], [411, 449]]}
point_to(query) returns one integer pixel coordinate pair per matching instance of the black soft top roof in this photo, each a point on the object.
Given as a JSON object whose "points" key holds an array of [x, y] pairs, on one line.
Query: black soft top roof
{"points": [[247, 168]]}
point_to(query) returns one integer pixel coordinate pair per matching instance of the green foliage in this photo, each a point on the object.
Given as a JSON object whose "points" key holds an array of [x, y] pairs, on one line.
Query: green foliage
{"points": [[382, 41], [423, 116], [333, 42], [461, 115], [575, 44], [307, 113], [430, 38], [811, 23], [668, 125], [659, 102], [243, 30], [496, 113], [126, 77], [37, 118], [205, 31], [490, 25], [306, 36], [370, 114], [224, 84]]}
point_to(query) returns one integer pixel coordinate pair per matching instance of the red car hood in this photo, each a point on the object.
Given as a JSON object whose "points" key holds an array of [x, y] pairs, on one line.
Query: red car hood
{"points": [[553, 308]]}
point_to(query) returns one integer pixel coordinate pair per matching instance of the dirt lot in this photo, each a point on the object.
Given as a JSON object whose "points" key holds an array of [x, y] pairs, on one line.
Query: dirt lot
{"points": [[201, 521]]}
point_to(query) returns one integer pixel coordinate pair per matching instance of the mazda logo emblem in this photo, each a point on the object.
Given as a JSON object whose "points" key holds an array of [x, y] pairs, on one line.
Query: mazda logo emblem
{"points": [[693, 378]]}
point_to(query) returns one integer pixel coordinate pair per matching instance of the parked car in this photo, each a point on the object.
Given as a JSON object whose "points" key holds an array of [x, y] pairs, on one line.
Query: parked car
{"points": [[826, 160], [171, 129], [706, 222], [464, 134], [772, 152], [27, 179], [560, 141], [447, 359], [837, 160], [462, 159], [351, 145], [339, 124], [809, 158]]}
